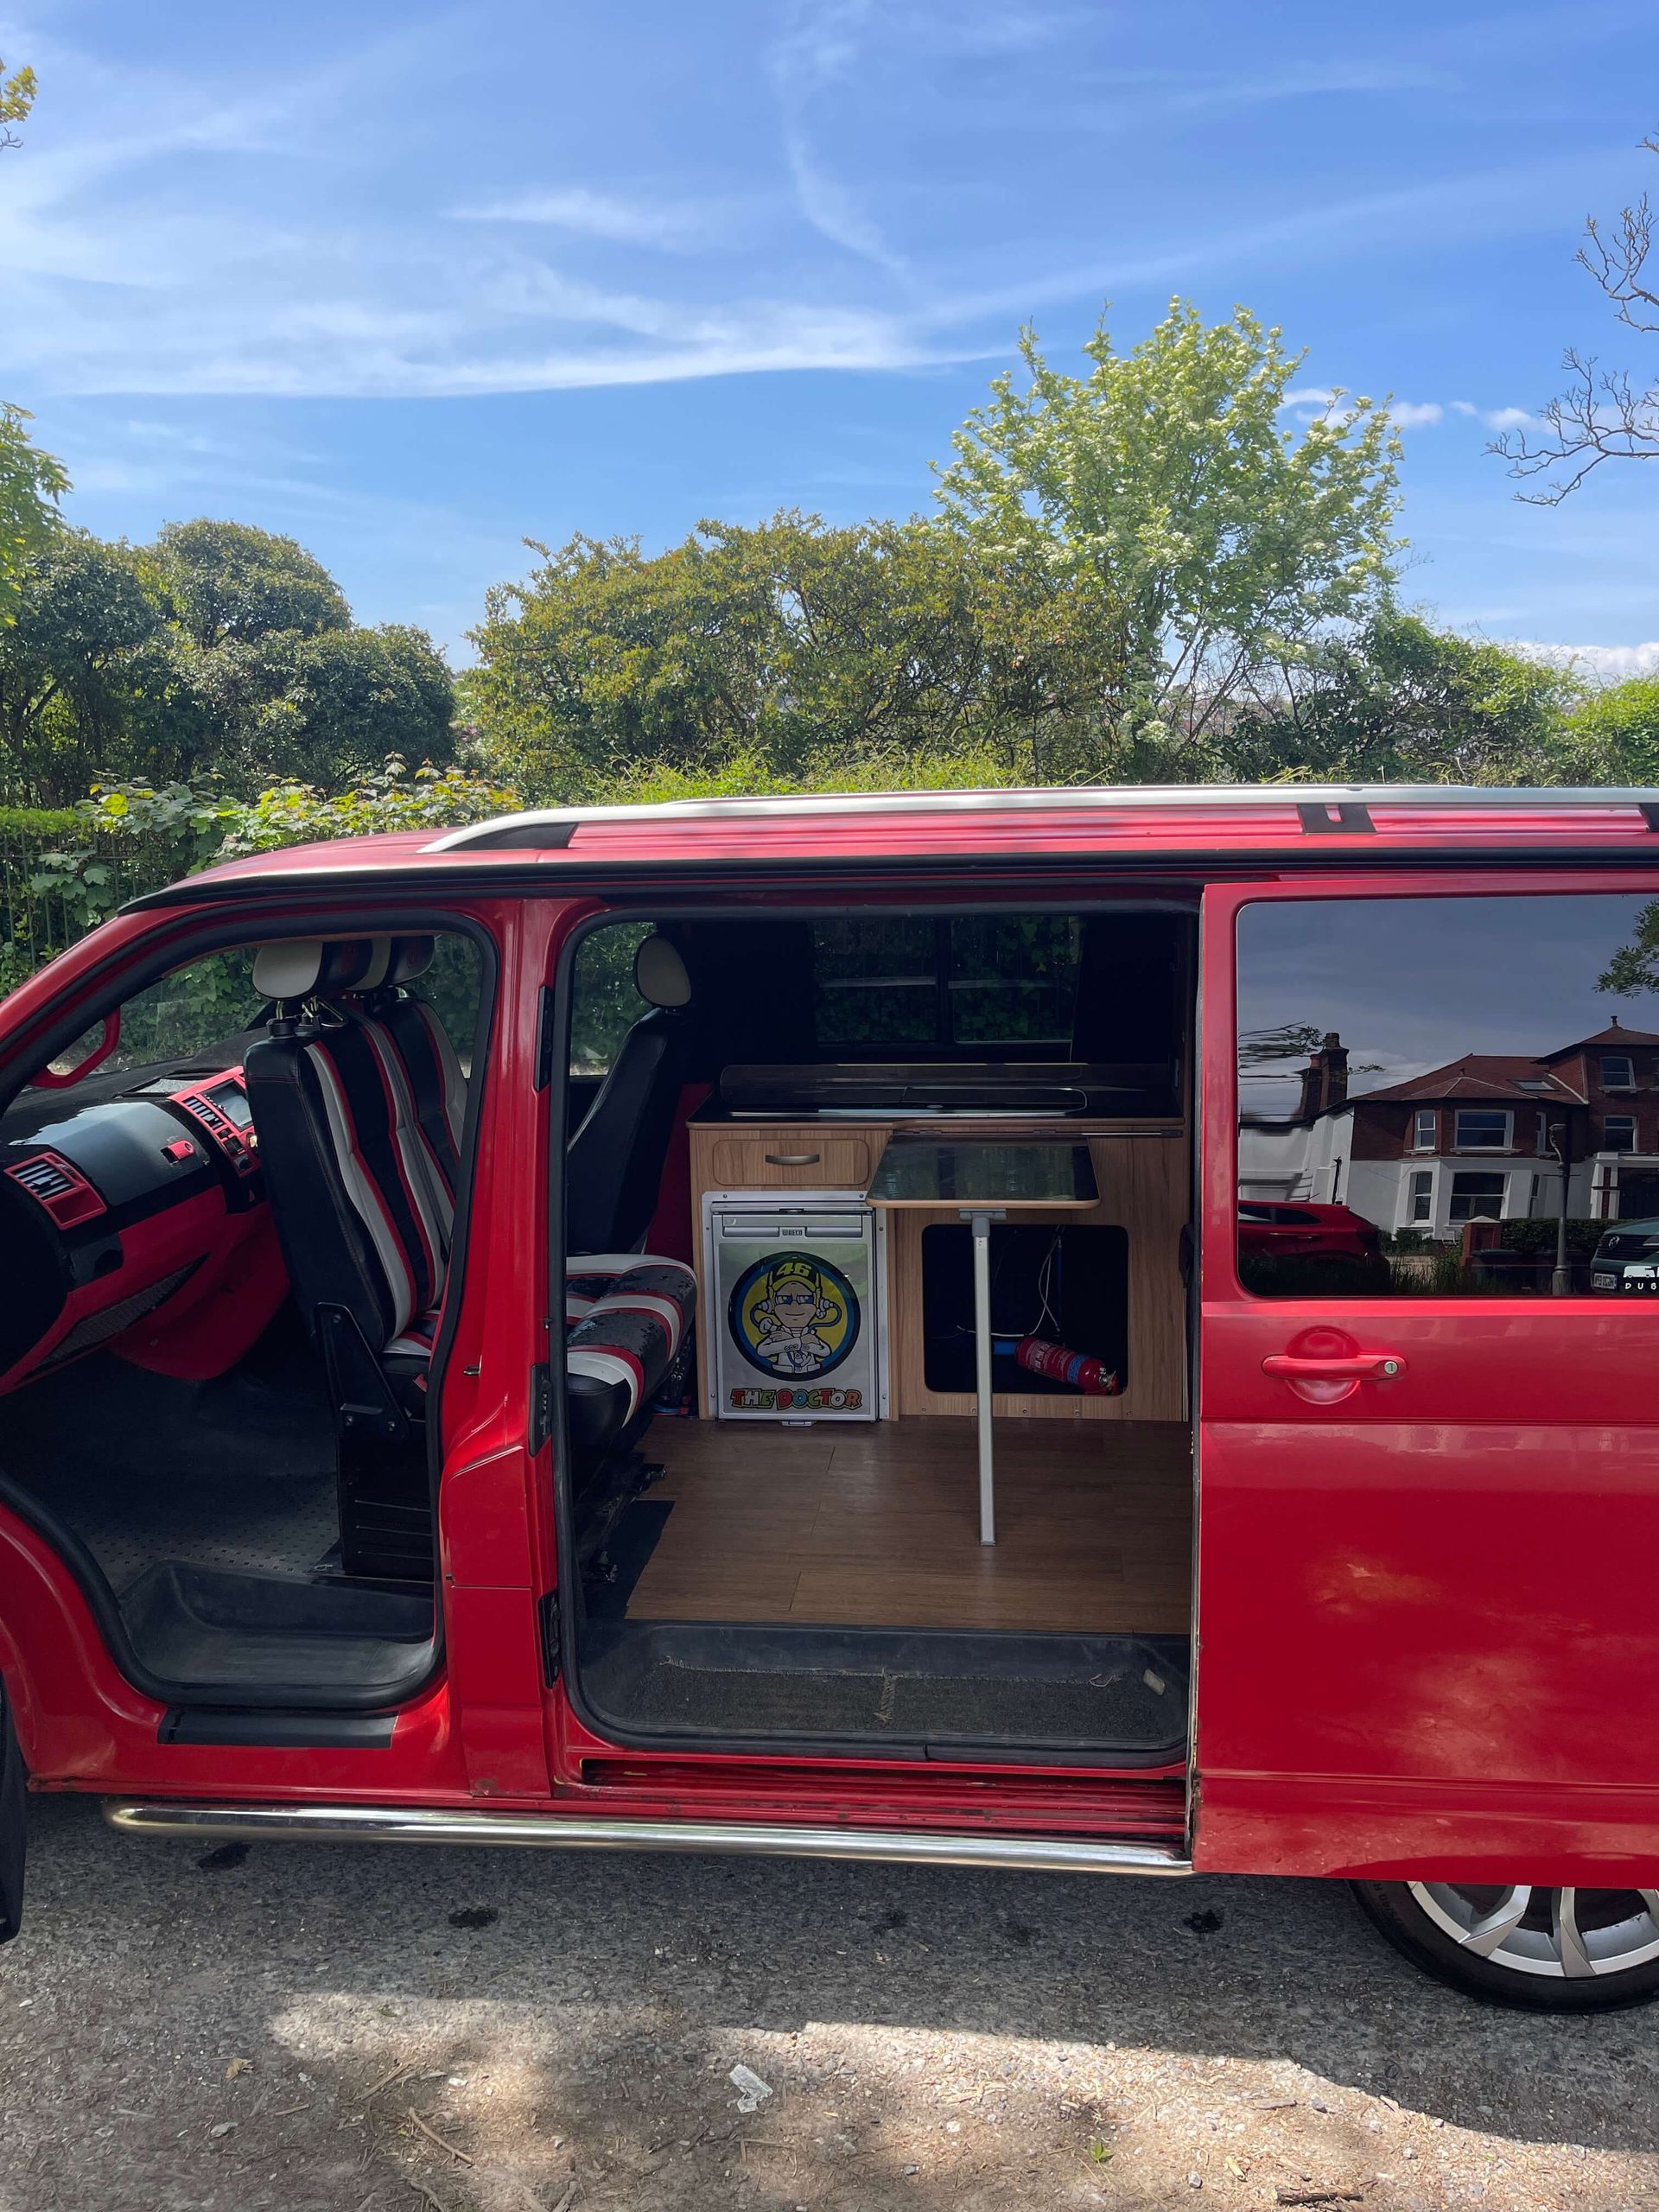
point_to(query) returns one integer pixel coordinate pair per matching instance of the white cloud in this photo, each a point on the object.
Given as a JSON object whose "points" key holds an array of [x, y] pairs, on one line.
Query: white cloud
{"points": [[1494, 418], [677, 224], [1602, 663], [1313, 400], [817, 51]]}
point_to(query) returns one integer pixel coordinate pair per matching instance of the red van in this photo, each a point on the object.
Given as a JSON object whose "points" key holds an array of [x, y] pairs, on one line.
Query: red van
{"points": [[725, 1327]]}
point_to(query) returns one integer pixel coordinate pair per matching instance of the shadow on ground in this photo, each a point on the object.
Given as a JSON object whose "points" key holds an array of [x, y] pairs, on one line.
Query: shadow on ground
{"points": [[181, 2026]]}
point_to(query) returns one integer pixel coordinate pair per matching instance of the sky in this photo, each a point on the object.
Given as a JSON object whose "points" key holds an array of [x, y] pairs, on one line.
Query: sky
{"points": [[1411, 984], [415, 282]]}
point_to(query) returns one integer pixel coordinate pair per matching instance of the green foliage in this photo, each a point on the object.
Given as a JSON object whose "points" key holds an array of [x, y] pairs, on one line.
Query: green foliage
{"points": [[191, 1010], [1203, 538], [798, 648], [604, 1004], [1634, 969], [229, 583], [220, 652], [176, 828], [393, 798], [86, 678], [319, 706], [1400, 701], [1537, 1236], [64, 869], [748, 775], [1614, 735], [31, 484], [17, 95]]}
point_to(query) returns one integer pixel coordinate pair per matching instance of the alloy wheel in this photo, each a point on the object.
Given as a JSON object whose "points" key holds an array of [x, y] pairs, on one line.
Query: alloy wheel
{"points": [[1565, 1934]]}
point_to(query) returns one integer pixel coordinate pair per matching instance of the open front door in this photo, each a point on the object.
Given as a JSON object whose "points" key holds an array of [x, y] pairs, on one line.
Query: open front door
{"points": [[1429, 1450]]}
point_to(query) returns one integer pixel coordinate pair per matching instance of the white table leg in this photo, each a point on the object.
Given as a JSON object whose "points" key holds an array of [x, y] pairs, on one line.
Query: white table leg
{"points": [[981, 1232]]}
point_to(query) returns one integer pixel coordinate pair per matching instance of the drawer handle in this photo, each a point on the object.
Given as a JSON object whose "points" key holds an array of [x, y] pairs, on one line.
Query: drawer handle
{"points": [[793, 1159]]}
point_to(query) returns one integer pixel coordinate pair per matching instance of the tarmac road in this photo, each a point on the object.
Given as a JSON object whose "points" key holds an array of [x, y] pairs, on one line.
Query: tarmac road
{"points": [[292, 2027]]}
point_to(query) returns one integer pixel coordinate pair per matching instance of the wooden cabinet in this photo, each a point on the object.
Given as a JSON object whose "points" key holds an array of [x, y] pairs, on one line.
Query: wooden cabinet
{"points": [[779, 1158], [1144, 1180], [1145, 1188]]}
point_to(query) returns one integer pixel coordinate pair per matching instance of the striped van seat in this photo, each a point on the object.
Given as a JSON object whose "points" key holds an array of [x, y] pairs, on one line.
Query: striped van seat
{"points": [[386, 1168], [628, 1314]]}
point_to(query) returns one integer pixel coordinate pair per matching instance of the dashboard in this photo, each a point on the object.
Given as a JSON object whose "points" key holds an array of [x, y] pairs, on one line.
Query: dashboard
{"points": [[135, 1220]]}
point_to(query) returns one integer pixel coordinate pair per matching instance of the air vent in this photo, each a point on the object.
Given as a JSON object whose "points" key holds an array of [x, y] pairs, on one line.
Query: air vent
{"points": [[62, 1190]]}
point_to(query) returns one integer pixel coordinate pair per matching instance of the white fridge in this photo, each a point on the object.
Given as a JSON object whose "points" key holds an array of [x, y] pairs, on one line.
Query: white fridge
{"points": [[797, 1305]]}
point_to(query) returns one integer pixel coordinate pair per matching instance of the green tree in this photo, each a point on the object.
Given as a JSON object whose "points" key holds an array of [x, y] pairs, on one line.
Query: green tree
{"points": [[325, 707], [229, 583], [17, 98], [1633, 971], [1614, 733], [31, 482], [85, 671], [275, 682], [1203, 537], [795, 648], [1399, 700], [219, 653]]}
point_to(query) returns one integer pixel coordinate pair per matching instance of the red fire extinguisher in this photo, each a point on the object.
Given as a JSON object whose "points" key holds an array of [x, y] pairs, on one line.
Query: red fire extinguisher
{"points": [[1080, 1368]]}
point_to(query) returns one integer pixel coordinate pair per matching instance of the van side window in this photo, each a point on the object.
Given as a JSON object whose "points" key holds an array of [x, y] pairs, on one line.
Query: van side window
{"points": [[604, 1004], [199, 1011], [1423, 1082]]}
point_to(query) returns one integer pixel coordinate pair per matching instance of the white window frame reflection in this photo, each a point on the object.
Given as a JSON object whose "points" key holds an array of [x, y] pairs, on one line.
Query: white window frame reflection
{"points": [[1462, 1143]]}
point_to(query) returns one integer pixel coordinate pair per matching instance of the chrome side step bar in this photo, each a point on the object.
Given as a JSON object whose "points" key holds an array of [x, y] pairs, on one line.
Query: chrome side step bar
{"points": [[1058, 1854]]}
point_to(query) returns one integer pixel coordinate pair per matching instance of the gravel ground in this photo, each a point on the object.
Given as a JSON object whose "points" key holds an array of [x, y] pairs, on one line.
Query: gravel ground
{"points": [[297, 2027]]}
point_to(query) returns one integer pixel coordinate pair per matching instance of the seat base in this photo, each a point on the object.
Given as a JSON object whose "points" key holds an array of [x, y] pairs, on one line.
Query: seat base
{"points": [[385, 1508]]}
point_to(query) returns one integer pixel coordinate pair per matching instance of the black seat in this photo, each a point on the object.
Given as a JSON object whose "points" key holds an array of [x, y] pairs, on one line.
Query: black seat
{"points": [[358, 1105], [362, 1191], [616, 1157]]}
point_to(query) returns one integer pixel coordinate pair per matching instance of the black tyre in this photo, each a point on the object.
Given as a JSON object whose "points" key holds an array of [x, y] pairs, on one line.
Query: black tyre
{"points": [[1540, 1949]]}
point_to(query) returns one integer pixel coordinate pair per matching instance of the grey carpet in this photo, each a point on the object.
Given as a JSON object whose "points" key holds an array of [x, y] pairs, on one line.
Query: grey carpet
{"points": [[234, 1473]]}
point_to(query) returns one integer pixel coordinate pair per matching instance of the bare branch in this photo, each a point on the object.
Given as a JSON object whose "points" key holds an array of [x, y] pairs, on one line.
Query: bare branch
{"points": [[1602, 414]]}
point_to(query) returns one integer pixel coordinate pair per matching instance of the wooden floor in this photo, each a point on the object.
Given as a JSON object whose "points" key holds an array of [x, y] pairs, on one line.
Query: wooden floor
{"points": [[878, 1527]]}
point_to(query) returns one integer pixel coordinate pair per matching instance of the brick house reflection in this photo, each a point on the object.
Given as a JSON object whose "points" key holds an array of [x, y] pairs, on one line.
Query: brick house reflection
{"points": [[1471, 1140]]}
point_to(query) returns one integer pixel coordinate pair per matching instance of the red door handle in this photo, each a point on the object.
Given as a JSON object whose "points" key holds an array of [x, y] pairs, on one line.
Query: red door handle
{"points": [[1358, 1367]]}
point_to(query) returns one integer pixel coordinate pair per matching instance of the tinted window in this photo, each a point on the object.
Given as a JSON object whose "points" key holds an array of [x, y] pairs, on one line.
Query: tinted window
{"points": [[201, 1013], [197, 1011], [1384, 1042], [978, 980]]}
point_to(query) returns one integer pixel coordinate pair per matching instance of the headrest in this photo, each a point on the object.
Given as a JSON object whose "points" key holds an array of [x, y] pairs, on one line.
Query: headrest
{"points": [[379, 962], [303, 967], [659, 974], [409, 956]]}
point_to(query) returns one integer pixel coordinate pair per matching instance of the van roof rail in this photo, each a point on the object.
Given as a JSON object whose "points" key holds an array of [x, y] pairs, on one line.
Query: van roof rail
{"points": [[1336, 809]]}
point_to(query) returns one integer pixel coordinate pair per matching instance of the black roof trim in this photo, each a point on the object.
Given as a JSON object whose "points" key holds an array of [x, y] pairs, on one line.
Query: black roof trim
{"points": [[572, 877]]}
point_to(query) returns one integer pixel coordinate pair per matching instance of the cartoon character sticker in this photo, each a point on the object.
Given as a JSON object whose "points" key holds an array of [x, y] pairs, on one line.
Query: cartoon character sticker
{"points": [[793, 1314]]}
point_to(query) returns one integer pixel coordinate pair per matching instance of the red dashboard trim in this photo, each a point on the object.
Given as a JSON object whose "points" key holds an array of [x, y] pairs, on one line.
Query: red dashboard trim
{"points": [[57, 1184]]}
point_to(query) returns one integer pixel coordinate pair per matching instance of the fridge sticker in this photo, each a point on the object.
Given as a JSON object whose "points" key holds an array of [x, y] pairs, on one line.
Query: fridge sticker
{"points": [[747, 1399], [793, 1314]]}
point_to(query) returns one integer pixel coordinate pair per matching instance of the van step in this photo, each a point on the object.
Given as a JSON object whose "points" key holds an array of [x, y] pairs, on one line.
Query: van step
{"points": [[1060, 1854], [212, 1631]]}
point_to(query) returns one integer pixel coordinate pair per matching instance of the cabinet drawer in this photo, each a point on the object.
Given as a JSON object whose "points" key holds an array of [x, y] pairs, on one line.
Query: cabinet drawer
{"points": [[802, 1159]]}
